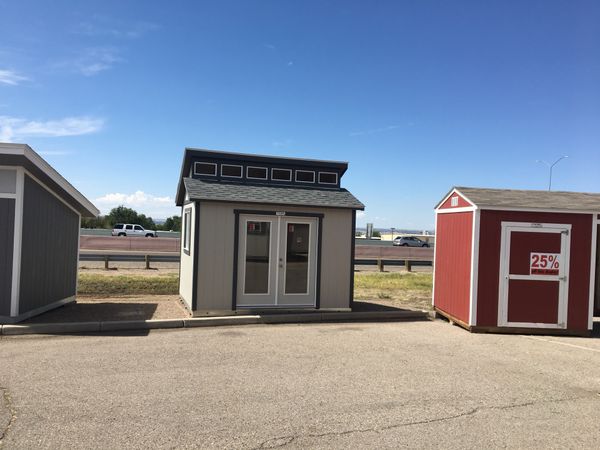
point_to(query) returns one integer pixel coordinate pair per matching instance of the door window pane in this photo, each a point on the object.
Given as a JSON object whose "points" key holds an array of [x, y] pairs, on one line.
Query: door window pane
{"points": [[258, 237], [297, 249]]}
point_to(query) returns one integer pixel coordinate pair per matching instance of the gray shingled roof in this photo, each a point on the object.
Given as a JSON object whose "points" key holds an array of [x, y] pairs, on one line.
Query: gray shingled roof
{"points": [[560, 200], [281, 195]]}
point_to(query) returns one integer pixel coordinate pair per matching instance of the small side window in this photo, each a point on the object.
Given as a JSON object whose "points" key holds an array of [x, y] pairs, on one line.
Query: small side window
{"points": [[187, 232], [256, 173], [230, 170], [119, 226], [454, 201], [281, 174], [202, 168], [305, 176], [138, 228], [328, 178], [129, 227]]}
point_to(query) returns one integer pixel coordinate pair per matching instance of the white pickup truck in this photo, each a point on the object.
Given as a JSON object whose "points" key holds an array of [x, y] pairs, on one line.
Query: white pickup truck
{"points": [[128, 229]]}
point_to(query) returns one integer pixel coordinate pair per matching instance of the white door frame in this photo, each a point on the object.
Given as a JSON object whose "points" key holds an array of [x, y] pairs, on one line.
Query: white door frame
{"points": [[273, 251], [310, 294], [562, 277], [277, 260]]}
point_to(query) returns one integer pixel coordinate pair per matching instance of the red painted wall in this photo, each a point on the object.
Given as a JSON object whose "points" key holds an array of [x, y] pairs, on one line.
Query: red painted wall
{"points": [[452, 277], [489, 263], [462, 203]]}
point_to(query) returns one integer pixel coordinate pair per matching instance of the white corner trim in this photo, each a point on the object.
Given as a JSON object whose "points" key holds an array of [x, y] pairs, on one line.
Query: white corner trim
{"points": [[17, 241], [595, 224], [78, 251], [474, 267], [435, 231]]}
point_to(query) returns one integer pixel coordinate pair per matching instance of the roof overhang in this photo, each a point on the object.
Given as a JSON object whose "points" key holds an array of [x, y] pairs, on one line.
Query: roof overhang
{"points": [[191, 153], [24, 156], [525, 200]]}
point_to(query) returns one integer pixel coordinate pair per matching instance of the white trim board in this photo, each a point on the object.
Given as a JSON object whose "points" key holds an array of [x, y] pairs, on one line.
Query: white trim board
{"points": [[474, 267], [595, 225], [17, 242], [505, 276], [456, 210]]}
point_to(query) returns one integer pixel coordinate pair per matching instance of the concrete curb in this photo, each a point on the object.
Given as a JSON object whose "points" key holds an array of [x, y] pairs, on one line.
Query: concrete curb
{"points": [[132, 325]]}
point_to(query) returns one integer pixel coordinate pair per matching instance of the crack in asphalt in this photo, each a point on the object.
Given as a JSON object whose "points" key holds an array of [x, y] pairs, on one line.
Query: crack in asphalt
{"points": [[282, 441], [8, 404]]}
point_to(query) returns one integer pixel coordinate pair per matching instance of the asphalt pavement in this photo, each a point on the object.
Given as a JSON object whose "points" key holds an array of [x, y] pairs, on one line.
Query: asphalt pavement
{"points": [[359, 385]]}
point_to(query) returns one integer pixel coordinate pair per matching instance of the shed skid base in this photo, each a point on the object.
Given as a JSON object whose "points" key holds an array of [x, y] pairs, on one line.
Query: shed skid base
{"points": [[507, 330], [265, 311]]}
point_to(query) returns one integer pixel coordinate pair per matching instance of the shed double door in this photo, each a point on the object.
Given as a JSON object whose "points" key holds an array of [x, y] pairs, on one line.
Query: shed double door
{"points": [[277, 261], [534, 275]]}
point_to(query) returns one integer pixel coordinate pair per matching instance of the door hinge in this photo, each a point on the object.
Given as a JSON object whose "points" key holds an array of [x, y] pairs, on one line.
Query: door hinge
{"points": [[565, 232], [563, 278]]}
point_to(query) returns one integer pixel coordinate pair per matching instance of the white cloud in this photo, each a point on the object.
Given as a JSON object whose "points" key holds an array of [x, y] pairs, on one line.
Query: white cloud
{"points": [[11, 77], [95, 60], [108, 27], [375, 130], [151, 205], [282, 143], [17, 128], [54, 153]]}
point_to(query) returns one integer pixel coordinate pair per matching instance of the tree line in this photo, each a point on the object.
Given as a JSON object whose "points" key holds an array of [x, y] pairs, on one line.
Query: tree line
{"points": [[122, 214]]}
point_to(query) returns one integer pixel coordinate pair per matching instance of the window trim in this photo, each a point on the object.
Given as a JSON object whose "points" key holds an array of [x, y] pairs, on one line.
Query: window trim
{"points": [[257, 178], [205, 174], [232, 176], [187, 230], [307, 171], [329, 173], [277, 179]]}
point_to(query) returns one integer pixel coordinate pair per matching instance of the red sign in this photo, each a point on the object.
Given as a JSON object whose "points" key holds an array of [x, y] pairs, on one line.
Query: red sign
{"points": [[544, 263]]}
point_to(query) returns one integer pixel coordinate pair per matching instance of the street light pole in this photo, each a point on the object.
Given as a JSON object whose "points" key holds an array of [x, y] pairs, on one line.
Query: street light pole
{"points": [[551, 166]]}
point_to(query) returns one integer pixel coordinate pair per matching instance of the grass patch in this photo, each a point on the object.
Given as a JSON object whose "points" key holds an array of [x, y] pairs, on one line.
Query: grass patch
{"points": [[401, 289], [104, 286]]}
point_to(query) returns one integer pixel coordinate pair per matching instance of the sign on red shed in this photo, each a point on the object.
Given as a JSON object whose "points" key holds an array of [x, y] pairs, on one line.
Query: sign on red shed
{"points": [[544, 263]]}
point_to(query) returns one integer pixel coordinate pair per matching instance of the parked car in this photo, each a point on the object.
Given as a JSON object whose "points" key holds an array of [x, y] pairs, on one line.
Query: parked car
{"points": [[409, 241], [128, 229]]}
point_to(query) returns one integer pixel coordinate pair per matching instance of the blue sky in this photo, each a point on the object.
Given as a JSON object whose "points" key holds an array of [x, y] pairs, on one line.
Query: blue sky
{"points": [[417, 95]]}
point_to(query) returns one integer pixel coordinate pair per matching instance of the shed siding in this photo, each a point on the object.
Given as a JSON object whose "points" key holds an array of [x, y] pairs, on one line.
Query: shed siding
{"points": [[453, 244], [7, 226], [49, 249], [186, 265], [215, 264], [462, 202], [489, 263]]}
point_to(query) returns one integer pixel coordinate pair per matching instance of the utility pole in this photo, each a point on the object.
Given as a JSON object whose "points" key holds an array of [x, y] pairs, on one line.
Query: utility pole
{"points": [[551, 166]]}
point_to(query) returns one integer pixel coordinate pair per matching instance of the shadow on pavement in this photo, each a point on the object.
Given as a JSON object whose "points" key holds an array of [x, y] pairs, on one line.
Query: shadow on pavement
{"points": [[363, 306], [96, 312]]}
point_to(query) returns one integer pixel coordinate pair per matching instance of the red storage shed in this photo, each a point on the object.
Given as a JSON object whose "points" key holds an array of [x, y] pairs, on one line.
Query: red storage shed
{"points": [[517, 261]]}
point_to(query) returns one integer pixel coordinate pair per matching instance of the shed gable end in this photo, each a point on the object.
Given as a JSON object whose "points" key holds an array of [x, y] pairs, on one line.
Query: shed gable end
{"points": [[455, 200]]}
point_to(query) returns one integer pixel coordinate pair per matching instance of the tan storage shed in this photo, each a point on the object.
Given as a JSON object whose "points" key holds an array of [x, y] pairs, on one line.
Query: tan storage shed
{"points": [[265, 233]]}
